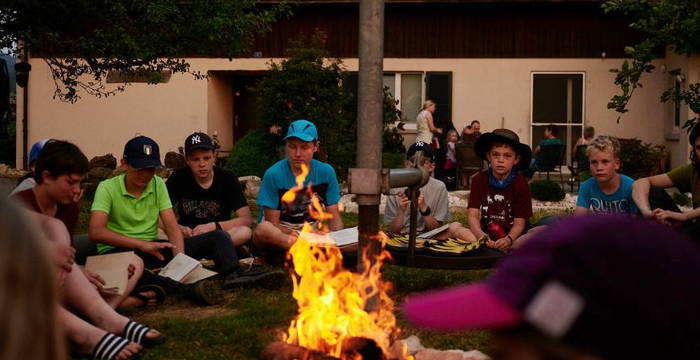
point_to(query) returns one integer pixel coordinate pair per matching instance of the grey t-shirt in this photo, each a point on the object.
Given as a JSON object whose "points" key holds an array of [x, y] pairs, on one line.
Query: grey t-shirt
{"points": [[435, 194]]}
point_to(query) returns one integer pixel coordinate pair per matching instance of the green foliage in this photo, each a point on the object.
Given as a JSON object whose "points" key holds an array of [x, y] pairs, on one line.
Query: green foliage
{"points": [[641, 159], [547, 190], [307, 85], [139, 37], [672, 24], [253, 154], [681, 199], [393, 160], [392, 140]]}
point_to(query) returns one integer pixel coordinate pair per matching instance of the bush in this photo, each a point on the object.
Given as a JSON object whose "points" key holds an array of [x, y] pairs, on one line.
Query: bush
{"points": [[546, 190], [641, 159], [253, 154], [392, 160], [681, 199]]}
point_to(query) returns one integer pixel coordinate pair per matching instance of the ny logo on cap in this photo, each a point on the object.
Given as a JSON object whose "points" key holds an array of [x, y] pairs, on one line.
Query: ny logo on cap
{"points": [[196, 139], [147, 149]]}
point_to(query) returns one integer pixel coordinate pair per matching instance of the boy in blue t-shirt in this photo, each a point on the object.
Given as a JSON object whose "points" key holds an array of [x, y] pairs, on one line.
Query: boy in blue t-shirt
{"points": [[279, 222], [606, 191]]}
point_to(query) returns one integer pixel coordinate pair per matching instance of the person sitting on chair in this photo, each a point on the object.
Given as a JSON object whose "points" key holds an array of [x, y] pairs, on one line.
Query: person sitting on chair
{"points": [[550, 138]]}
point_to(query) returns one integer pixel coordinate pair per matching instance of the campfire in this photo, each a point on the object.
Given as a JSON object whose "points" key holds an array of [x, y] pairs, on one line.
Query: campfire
{"points": [[341, 314]]}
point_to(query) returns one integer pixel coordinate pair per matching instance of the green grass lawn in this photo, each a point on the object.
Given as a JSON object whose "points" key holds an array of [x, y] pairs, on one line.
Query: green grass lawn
{"points": [[250, 319]]}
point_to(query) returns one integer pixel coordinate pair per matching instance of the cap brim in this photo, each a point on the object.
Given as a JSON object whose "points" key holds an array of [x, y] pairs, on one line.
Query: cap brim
{"points": [[301, 137], [461, 308], [198, 147], [145, 163]]}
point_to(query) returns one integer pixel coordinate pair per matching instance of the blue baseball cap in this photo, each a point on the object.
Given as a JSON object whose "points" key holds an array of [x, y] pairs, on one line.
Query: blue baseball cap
{"points": [[302, 129], [36, 150], [142, 152]]}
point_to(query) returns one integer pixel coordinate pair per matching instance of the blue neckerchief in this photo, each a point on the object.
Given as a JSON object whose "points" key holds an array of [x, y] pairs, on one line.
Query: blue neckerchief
{"points": [[498, 184]]}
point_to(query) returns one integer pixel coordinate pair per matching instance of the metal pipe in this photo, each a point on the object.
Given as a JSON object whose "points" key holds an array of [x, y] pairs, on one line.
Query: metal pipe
{"points": [[369, 114], [25, 117], [408, 177]]}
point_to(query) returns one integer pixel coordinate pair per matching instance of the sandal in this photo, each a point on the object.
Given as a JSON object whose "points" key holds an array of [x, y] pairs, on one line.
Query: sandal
{"points": [[109, 347], [137, 333], [159, 291]]}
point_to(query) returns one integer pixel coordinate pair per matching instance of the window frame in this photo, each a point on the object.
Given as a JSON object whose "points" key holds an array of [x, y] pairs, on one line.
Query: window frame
{"points": [[567, 159]]}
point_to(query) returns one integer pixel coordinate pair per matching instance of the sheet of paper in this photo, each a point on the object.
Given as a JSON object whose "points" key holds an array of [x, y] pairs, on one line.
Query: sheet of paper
{"points": [[431, 233], [179, 267], [114, 270], [340, 238], [197, 274]]}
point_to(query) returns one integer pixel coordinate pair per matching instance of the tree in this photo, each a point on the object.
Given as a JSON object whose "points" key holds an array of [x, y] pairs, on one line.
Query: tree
{"points": [[665, 24], [86, 39]]}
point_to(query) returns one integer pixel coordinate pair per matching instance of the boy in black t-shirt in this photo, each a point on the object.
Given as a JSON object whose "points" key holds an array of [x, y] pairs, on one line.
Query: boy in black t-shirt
{"points": [[205, 196]]}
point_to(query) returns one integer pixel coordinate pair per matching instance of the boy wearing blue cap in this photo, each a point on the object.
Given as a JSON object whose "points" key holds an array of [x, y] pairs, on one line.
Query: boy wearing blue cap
{"points": [[27, 181], [279, 222]]}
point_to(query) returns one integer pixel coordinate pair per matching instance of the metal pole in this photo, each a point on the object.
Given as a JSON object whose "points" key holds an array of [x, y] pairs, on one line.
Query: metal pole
{"points": [[369, 116]]}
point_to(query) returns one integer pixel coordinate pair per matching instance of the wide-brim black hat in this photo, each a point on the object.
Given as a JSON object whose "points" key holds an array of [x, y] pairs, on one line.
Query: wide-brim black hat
{"points": [[484, 142]]}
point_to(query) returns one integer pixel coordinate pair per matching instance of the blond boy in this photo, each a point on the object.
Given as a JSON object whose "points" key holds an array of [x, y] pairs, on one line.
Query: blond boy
{"points": [[607, 191]]}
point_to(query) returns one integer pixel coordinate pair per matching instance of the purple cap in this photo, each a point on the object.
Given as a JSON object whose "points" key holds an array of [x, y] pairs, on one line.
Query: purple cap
{"points": [[615, 286]]}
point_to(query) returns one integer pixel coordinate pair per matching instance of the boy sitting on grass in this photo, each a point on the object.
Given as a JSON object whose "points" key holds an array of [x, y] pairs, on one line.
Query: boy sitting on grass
{"points": [[607, 191], [500, 201]]}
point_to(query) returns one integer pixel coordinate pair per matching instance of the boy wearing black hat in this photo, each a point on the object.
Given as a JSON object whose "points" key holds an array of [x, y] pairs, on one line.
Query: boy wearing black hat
{"points": [[500, 202], [433, 202], [687, 179]]}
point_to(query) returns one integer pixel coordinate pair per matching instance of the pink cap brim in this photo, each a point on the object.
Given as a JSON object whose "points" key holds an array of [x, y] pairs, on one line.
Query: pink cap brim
{"points": [[461, 308]]}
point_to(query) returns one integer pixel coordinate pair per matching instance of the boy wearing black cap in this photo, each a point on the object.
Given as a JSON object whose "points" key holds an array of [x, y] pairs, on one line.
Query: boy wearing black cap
{"points": [[433, 203], [687, 179], [205, 195], [500, 201]]}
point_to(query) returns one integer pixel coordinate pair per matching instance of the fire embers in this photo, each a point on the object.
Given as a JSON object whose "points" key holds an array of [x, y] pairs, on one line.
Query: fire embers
{"points": [[341, 314]]}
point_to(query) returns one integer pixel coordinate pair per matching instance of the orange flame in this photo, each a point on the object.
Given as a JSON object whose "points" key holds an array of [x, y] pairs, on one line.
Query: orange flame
{"points": [[336, 304]]}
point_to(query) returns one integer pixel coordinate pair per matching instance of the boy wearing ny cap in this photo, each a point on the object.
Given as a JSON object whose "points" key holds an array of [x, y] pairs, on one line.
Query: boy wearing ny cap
{"points": [[433, 203], [500, 201], [281, 221], [205, 196], [560, 296]]}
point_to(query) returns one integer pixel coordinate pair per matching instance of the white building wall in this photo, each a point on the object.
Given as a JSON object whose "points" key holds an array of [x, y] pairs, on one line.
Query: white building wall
{"points": [[485, 89]]}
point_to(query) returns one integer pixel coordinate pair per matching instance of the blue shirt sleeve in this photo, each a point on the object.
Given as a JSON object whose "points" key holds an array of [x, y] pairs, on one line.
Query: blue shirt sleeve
{"points": [[267, 195], [333, 192], [584, 195]]}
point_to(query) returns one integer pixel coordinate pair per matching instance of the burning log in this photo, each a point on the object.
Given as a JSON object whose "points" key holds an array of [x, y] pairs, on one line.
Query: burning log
{"points": [[353, 348]]}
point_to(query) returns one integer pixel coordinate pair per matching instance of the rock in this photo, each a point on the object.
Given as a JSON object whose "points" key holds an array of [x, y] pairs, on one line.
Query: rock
{"points": [[97, 174], [413, 344], [9, 172], [174, 160], [250, 185], [104, 161]]}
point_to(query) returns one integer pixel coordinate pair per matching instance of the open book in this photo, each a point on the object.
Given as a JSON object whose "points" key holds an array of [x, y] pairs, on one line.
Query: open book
{"points": [[185, 269], [340, 238], [114, 270], [431, 233]]}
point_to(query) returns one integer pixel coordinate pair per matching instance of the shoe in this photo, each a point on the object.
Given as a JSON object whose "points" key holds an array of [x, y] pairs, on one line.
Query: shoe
{"points": [[205, 292], [263, 279]]}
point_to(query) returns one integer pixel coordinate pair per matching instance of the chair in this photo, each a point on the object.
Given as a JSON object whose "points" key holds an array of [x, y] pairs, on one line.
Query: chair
{"points": [[549, 159], [579, 164], [467, 161]]}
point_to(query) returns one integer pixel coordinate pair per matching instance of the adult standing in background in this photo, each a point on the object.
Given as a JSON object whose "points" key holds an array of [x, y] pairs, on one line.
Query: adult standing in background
{"points": [[588, 134], [471, 132], [425, 125]]}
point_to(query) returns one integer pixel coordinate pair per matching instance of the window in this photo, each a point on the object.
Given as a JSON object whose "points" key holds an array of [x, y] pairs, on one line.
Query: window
{"points": [[407, 88], [557, 99]]}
